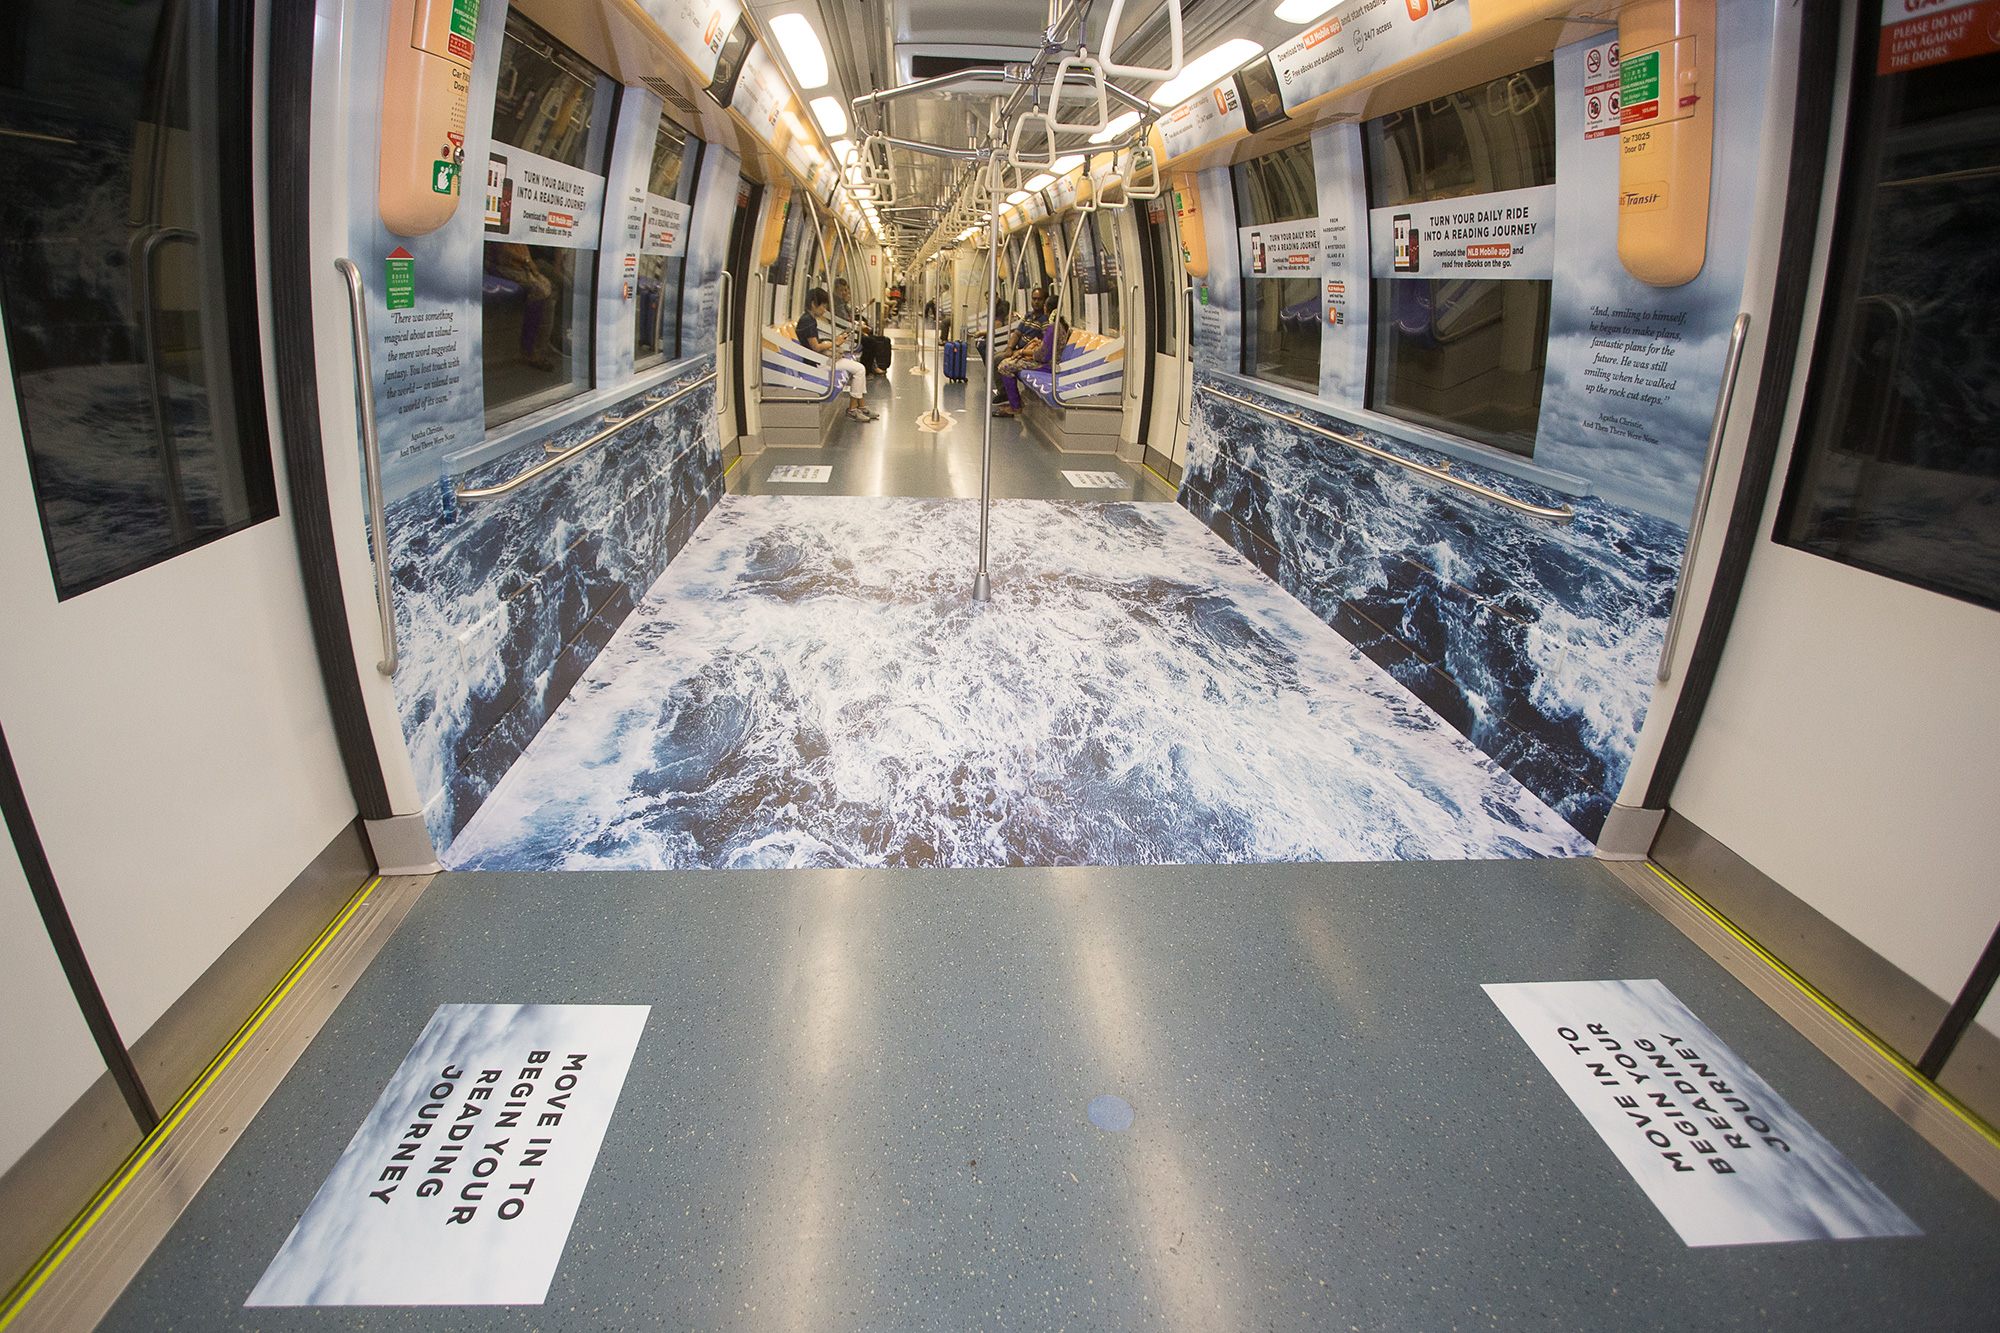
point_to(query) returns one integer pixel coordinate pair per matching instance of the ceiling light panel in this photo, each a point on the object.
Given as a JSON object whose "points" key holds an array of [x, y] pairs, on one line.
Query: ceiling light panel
{"points": [[1303, 11], [1205, 69], [796, 38], [1116, 127], [832, 117]]}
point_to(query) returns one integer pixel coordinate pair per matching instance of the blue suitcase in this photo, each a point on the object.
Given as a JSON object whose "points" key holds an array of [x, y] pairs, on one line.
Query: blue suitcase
{"points": [[954, 361]]}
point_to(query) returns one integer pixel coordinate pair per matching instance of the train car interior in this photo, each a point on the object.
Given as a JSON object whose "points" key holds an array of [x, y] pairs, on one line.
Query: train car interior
{"points": [[1044, 664]]}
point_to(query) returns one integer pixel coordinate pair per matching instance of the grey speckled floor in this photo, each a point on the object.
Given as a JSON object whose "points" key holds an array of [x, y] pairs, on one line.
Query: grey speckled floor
{"points": [[860, 1104], [891, 456]]}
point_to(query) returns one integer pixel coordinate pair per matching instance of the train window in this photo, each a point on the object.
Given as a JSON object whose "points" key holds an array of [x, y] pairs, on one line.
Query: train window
{"points": [[1897, 467], [1280, 283], [1106, 225], [544, 197], [662, 262], [127, 278], [1463, 355], [1167, 253]]}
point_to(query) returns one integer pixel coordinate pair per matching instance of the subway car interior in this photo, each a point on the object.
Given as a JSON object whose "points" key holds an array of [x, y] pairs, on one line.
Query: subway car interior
{"points": [[1038, 664]]}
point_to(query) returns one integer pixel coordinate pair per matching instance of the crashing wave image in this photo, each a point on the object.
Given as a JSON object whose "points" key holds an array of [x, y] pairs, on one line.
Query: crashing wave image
{"points": [[810, 684]]}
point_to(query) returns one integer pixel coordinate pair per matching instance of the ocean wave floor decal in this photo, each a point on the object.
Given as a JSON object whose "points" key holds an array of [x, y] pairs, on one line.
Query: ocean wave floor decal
{"points": [[809, 684]]}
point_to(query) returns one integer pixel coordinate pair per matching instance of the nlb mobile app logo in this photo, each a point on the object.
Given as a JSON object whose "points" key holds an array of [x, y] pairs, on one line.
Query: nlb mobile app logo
{"points": [[1225, 99]]}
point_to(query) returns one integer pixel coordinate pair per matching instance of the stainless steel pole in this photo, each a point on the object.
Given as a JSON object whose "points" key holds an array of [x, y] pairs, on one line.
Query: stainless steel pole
{"points": [[982, 586]]}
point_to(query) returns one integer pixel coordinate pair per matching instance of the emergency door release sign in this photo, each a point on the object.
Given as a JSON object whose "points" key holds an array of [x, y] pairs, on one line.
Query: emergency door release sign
{"points": [[461, 1185], [1719, 1153]]}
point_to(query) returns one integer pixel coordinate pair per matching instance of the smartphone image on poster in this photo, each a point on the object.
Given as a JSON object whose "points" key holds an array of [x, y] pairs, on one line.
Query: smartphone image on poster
{"points": [[499, 195], [1404, 238], [1256, 252]]}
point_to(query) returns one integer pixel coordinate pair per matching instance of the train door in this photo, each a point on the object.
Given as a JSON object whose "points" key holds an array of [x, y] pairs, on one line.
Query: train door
{"points": [[160, 691], [1845, 741], [736, 270], [1166, 432]]}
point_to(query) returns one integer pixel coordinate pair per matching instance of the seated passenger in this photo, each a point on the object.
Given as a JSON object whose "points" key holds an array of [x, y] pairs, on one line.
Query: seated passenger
{"points": [[846, 369], [1037, 357]]}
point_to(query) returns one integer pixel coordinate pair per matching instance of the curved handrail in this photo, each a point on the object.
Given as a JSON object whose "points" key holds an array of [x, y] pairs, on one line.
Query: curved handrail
{"points": [[371, 465], [1738, 333], [556, 460], [1562, 515], [148, 246]]}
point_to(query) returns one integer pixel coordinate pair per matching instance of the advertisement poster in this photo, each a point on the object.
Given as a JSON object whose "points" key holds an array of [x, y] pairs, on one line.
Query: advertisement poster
{"points": [[666, 227], [1722, 1156], [538, 201], [461, 1185], [1505, 234], [1200, 121], [1281, 249], [1343, 260], [1217, 343], [697, 27], [1360, 37], [1634, 370]]}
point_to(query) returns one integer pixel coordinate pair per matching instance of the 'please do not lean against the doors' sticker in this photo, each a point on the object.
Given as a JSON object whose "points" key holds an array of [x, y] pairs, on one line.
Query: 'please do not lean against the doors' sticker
{"points": [[1719, 1153], [461, 1185]]}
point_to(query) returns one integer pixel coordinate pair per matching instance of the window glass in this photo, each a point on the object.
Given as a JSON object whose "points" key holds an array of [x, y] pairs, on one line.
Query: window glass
{"points": [[1167, 254], [1105, 223], [1463, 355], [1897, 466], [544, 196], [1280, 311], [662, 257], [126, 279]]}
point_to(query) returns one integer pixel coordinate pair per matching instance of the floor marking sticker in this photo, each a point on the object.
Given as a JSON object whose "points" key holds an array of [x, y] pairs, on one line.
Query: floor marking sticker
{"points": [[1098, 481], [461, 1185], [811, 476], [1722, 1156]]}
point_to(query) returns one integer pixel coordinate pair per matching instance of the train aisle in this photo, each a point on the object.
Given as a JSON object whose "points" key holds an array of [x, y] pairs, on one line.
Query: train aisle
{"points": [[894, 456], [868, 1100]]}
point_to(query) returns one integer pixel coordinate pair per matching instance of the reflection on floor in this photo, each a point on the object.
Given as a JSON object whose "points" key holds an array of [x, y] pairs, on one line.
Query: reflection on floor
{"points": [[810, 685], [860, 1103], [892, 456]]}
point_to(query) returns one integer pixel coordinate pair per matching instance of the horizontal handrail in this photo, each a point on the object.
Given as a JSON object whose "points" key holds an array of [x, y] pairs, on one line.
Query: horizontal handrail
{"points": [[556, 460], [1562, 515]]}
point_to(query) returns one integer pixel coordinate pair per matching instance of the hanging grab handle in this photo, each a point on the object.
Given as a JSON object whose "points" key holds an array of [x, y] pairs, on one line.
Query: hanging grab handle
{"points": [[1093, 72], [1109, 45], [1016, 157], [1148, 186]]}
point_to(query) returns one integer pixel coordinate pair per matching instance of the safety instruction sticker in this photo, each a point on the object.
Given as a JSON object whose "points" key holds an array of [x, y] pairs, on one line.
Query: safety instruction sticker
{"points": [[1601, 106], [1722, 1156], [461, 1185], [1916, 33]]}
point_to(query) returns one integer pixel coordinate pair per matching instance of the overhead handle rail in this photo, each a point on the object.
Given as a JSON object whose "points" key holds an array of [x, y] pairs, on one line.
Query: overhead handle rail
{"points": [[557, 460], [1109, 45], [1088, 66], [1355, 442]]}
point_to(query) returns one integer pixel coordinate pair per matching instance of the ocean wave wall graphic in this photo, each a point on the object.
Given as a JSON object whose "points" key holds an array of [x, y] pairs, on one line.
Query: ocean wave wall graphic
{"points": [[809, 684], [1537, 641], [501, 604]]}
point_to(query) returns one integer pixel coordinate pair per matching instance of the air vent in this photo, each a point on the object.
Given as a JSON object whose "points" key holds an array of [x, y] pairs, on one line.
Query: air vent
{"points": [[933, 67], [670, 97]]}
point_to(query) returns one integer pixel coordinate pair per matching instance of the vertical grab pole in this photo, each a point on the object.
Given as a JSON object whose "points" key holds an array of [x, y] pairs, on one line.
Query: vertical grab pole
{"points": [[982, 586], [371, 464]]}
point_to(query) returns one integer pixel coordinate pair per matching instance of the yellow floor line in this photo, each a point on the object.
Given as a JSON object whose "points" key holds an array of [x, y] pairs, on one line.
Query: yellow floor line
{"points": [[1163, 481], [1833, 1011], [52, 1258]]}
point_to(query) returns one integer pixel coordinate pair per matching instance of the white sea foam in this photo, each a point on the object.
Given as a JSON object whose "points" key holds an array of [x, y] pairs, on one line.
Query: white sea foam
{"points": [[809, 684]]}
